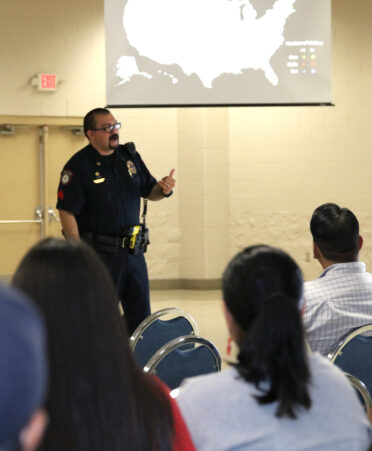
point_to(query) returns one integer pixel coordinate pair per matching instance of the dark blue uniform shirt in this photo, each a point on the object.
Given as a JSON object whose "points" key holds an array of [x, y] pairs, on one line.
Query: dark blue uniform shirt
{"points": [[104, 192]]}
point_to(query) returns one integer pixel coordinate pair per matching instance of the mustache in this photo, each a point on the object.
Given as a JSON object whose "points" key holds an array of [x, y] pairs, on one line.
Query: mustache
{"points": [[115, 136]]}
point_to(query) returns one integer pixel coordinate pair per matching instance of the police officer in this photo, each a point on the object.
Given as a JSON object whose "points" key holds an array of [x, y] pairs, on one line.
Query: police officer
{"points": [[99, 198]]}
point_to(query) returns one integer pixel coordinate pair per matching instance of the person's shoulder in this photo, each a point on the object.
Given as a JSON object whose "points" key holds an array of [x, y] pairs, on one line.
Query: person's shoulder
{"points": [[311, 290], [80, 157], [128, 149], [311, 283], [323, 369], [207, 383], [320, 362], [322, 282], [363, 270]]}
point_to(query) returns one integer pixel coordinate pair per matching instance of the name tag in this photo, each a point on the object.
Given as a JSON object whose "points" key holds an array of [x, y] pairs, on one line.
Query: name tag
{"points": [[101, 180]]}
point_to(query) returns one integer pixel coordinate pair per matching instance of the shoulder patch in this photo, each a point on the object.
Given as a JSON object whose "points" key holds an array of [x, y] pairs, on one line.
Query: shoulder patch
{"points": [[66, 177]]}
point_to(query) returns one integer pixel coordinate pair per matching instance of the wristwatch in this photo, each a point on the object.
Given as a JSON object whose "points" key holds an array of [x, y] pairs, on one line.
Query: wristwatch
{"points": [[166, 195]]}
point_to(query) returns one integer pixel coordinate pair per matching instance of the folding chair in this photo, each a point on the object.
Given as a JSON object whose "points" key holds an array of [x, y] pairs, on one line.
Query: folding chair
{"points": [[154, 332], [172, 363], [354, 355]]}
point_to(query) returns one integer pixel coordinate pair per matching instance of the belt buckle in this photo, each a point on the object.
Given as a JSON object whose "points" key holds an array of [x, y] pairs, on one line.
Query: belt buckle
{"points": [[124, 242]]}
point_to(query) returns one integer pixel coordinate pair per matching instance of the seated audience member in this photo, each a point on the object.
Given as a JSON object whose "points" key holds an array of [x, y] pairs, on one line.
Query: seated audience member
{"points": [[98, 398], [23, 373], [276, 396], [341, 297]]}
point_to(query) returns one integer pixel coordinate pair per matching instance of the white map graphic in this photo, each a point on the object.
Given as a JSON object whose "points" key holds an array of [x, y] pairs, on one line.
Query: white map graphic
{"points": [[204, 37]]}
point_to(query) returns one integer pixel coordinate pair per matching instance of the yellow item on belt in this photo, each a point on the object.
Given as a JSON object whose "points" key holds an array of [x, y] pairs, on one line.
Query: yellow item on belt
{"points": [[133, 237]]}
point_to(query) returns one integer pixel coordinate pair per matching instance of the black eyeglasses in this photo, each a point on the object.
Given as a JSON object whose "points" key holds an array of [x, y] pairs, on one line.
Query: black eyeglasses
{"points": [[109, 128]]}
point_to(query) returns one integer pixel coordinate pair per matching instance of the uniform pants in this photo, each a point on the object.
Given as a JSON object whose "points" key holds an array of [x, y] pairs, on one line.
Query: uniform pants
{"points": [[129, 273]]}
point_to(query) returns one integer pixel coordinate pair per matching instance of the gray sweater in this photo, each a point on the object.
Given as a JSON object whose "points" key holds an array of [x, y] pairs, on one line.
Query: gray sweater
{"points": [[222, 414]]}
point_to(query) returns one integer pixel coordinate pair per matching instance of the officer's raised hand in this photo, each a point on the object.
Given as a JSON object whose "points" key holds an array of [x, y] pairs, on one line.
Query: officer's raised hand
{"points": [[164, 187]]}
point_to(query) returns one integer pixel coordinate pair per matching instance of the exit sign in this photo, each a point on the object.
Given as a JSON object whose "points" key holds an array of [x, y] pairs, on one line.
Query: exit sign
{"points": [[46, 82]]}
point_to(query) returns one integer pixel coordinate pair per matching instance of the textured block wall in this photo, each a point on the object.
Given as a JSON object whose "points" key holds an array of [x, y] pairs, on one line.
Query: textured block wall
{"points": [[284, 162], [61, 37]]}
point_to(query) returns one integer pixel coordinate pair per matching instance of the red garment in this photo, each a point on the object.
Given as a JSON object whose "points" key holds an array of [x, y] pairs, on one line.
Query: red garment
{"points": [[182, 438]]}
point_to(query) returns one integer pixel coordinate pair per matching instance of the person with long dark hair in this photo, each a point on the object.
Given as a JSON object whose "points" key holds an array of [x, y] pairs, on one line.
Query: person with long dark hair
{"points": [[98, 398], [276, 396]]}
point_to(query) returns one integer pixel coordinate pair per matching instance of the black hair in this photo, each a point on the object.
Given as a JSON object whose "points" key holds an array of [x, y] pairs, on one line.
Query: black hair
{"points": [[98, 398], [262, 288], [90, 118], [335, 231]]}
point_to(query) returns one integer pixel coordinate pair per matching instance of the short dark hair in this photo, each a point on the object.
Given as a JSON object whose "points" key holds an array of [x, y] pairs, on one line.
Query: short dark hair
{"points": [[262, 288], [335, 231], [90, 118], [98, 397]]}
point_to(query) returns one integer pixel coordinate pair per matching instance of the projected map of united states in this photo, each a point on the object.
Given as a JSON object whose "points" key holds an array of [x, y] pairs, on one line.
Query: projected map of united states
{"points": [[173, 32]]}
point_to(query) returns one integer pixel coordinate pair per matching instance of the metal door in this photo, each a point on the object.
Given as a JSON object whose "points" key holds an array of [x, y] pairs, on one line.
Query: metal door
{"points": [[31, 158]]}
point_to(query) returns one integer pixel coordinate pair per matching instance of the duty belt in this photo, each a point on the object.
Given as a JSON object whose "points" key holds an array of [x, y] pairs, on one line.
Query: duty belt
{"points": [[111, 242], [135, 239]]}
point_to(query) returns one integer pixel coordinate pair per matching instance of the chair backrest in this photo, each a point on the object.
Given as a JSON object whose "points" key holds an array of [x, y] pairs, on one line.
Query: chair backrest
{"points": [[154, 332], [362, 392], [172, 363], [354, 355]]}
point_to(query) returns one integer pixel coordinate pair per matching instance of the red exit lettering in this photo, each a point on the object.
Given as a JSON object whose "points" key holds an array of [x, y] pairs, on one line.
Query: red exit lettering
{"points": [[47, 81]]}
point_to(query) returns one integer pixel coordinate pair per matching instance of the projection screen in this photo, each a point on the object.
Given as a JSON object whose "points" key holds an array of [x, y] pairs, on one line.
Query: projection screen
{"points": [[217, 52]]}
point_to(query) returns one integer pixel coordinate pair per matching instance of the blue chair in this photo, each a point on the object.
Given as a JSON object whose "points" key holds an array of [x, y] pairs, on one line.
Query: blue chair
{"points": [[172, 363], [155, 331], [353, 354]]}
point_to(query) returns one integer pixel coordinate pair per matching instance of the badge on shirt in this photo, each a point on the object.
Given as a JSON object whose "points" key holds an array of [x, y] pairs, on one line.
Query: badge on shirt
{"points": [[66, 177], [131, 168], [98, 178]]}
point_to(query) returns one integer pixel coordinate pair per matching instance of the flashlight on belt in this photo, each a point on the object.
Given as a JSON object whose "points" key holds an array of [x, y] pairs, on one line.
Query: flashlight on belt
{"points": [[133, 237]]}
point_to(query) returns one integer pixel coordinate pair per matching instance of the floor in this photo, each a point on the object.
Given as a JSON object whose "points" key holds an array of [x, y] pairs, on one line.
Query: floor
{"points": [[205, 307]]}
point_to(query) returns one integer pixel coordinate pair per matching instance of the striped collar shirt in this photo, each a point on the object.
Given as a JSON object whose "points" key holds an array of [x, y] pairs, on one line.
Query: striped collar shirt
{"points": [[339, 300]]}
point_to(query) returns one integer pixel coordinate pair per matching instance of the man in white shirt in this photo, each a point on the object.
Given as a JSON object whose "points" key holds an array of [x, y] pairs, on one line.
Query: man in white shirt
{"points": [[340, 299]]}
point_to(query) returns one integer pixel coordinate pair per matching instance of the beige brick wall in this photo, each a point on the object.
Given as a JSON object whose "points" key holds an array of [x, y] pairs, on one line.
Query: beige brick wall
{"points": [[284, 162], [245, 175], [62, 37], [203, 187]]}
